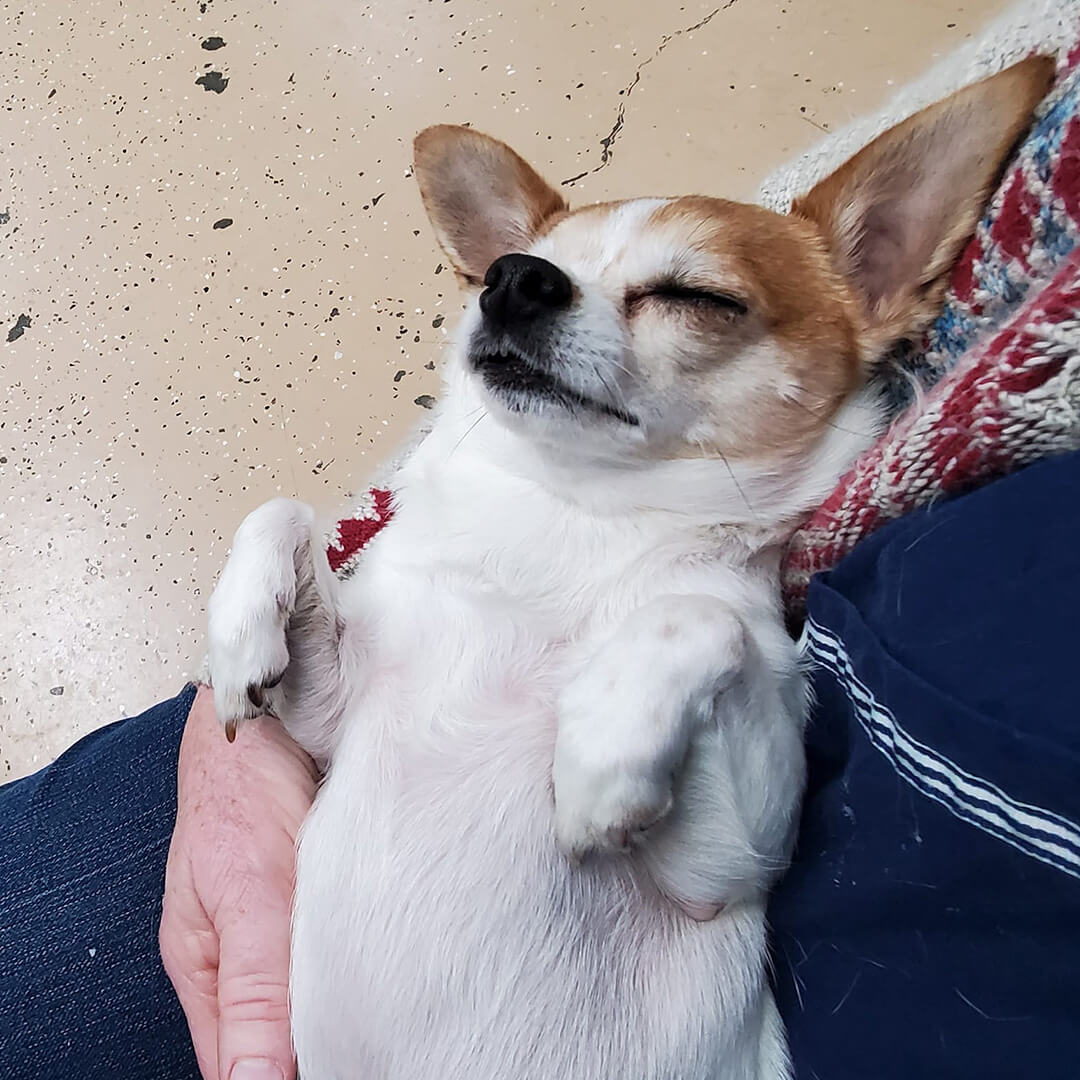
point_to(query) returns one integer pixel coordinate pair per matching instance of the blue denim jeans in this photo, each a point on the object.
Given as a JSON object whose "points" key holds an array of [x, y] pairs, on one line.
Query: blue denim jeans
{"points": [[83, 995]]}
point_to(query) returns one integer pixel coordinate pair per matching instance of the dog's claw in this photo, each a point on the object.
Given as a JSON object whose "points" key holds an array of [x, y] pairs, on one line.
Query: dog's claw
{"points": [[230, 730], [255, 696]]}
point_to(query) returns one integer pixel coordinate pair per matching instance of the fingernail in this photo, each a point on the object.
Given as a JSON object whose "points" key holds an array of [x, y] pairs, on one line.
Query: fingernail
{"points": [[256, 1069]]}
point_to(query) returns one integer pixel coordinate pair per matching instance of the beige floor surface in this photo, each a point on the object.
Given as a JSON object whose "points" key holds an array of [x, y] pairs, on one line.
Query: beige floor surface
{"points": [[216, 283]]}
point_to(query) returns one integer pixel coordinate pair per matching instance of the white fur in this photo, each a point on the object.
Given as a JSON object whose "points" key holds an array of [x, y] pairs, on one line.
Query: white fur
{"points": [[559, 646]]}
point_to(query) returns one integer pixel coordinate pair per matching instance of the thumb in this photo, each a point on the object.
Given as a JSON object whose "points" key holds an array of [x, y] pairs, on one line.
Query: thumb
{"points": [[254, 1038]]}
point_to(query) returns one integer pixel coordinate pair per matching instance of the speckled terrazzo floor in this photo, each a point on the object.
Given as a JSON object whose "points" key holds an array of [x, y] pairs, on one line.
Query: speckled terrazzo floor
{"points": [[216, 283]]}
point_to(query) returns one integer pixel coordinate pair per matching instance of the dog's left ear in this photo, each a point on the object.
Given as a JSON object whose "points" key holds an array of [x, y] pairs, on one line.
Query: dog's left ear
{"points": [[897, 215], [482, 198]]}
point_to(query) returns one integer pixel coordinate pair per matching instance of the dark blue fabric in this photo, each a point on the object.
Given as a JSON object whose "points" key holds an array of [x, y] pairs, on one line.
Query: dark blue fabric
{"points": [[930, 926], [83, 995]]}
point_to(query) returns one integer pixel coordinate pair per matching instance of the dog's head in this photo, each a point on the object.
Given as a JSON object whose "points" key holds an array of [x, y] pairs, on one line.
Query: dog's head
{"points": [[697, 327]]}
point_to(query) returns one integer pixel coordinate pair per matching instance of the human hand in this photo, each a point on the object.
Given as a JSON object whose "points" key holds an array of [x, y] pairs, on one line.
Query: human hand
{"points": [[224, 932]]}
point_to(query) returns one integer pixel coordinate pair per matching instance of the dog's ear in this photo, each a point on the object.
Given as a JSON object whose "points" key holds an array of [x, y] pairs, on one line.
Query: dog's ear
{"points": [[897, 215], [482, 198]]}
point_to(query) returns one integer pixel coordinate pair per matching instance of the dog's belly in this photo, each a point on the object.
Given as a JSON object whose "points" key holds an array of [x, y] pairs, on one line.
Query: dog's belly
{"points": [[439, 933]]}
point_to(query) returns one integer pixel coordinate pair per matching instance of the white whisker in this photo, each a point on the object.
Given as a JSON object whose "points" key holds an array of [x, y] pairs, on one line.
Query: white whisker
{"points": [[470, 429], [613, 391]]}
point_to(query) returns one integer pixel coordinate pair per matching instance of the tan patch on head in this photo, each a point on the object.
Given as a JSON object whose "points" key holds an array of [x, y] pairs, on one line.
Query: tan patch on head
{"points": [[801, 316]]}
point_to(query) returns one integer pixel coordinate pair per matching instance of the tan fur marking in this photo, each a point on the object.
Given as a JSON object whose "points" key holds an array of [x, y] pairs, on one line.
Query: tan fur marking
{"points": [[781, 268]]}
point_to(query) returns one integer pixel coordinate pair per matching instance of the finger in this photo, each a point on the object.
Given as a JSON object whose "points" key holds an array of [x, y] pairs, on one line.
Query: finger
{"points": [[253, 989], [189, 952]]}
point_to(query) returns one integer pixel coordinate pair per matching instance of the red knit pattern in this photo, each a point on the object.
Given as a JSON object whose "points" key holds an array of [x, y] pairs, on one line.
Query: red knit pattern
{"points": [[353, 534]]}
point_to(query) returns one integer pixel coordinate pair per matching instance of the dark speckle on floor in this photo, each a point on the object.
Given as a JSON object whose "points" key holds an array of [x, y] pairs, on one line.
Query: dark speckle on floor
{"points": [[212, 43], [213, 80], [223, 223], [425, 401], [22, 324]]}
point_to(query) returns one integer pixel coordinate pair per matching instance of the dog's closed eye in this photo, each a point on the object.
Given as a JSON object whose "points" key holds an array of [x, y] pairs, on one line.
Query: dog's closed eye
{"points": [[675, 294]]}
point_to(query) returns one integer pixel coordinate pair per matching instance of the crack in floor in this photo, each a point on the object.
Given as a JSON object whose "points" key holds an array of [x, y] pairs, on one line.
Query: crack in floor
{"points": [[608, 141]]}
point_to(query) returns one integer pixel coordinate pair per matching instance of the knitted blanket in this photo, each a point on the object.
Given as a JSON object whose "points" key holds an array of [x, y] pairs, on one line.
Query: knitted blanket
{"points": [[996, 384]]}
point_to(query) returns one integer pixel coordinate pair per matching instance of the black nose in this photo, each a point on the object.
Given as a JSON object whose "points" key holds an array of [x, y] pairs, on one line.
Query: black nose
{"points": [[521, 288]]}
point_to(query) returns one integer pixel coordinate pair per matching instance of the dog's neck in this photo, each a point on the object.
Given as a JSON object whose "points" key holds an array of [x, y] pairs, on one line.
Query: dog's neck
{"points": [[750, 505]]}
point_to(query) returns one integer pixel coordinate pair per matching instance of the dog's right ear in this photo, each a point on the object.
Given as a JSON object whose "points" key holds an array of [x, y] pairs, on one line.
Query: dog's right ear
{"points": [[482, 198]]}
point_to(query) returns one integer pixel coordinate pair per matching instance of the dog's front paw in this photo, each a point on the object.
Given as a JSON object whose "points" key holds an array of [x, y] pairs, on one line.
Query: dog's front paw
{"points": [[250, 610], [604, 799], [627, 719], [248, 653], [615, 756]]}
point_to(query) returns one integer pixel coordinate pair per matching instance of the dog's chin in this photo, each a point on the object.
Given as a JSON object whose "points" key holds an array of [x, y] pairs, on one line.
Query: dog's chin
{"points": [[524, 388]]}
